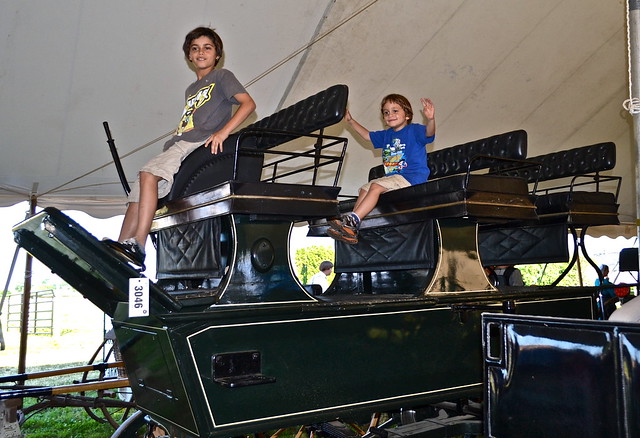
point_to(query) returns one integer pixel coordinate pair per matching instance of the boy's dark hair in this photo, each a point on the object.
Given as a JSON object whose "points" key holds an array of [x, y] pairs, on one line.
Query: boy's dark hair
{"points": [[200, 32], [400, 100], [325, 265]]}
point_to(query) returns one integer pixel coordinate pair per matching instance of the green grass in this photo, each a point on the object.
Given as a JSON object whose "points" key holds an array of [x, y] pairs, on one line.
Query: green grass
{"points": [[59, 422], [74, 422], [64, 423]]}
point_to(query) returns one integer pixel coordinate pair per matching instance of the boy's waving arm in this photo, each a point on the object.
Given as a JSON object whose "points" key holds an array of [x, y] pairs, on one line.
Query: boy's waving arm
{"points": [[361, 130], [429, 112]]}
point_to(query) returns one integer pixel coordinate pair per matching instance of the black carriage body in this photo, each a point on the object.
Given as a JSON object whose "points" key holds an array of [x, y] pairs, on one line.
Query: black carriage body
{"points": [[237, 369], [280, 356], [234, 343], [568, 377]]}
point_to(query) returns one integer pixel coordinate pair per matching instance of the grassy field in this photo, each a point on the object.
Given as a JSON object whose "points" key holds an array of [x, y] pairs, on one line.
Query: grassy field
{"points": [[78, 328], [60, 422]]}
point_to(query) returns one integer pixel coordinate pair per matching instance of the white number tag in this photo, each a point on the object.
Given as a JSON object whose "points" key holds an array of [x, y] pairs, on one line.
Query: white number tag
{"points": [[138, 297]]}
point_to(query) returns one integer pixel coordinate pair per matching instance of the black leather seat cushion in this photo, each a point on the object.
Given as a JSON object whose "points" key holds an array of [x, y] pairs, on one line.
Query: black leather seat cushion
{"points": [[579, 208], [202, 170], [483, 197]]}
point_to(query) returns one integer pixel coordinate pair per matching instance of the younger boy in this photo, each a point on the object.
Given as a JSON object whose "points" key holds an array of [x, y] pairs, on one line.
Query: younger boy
{"points": [[404, 157], [206, 120]]}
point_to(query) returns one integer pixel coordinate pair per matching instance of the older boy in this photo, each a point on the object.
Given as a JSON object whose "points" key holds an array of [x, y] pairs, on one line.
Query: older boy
{"points": [[206, 120]]}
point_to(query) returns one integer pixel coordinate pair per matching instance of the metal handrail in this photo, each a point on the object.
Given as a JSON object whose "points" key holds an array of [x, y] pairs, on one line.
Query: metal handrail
{"points": [[319, 159]]}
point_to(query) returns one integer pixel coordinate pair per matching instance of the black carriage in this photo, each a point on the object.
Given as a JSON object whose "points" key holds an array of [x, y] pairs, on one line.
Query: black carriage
{"points": [[233, 342]]}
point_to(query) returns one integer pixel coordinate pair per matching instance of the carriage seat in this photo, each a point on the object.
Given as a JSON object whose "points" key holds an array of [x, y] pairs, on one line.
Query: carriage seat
{"points": [[559, 181], [214, 193], [456, 188], [243, 152], [398, 241]]}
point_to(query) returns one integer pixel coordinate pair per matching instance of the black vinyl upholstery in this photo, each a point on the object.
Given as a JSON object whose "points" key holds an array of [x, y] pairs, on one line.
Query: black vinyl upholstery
{"points": [[568, 201], [571, 162], [194, 250], [524, 245], [558, 180], [202, 170], [468, 156], [457, 159]]}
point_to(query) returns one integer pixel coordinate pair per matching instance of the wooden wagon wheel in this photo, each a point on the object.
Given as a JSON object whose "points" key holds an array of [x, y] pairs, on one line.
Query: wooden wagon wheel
{"points": [[99, 412], [140, 425]]}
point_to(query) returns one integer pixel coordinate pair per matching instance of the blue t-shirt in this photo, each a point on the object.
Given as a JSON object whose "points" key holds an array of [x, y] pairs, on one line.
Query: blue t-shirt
{"points": [[404, 151]]}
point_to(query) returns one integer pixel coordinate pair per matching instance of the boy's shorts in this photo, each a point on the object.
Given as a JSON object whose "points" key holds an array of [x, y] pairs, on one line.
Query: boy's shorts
{"points": [[164, 165], [394, 181]]}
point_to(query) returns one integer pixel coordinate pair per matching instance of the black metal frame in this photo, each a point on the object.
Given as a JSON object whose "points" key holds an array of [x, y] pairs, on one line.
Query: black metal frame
{"points": [[319, 159]]}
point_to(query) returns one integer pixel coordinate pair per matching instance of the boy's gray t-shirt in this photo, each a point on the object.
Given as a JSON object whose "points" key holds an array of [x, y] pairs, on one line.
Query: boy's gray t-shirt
{"points": [[208, 106]]}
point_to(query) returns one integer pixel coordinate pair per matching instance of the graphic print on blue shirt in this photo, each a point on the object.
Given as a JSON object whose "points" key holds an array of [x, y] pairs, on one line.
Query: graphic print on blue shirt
{"points": [[393, 157], [404, 151]]}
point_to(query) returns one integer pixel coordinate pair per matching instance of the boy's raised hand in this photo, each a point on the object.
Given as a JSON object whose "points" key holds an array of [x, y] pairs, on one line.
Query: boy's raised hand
{"points": [[428, 109], [347, 116]]}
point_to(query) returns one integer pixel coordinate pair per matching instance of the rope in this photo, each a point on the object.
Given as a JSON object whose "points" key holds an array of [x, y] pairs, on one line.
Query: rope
{"points": [[149, 143], [632, 104], [311, 43], [247, 85]]}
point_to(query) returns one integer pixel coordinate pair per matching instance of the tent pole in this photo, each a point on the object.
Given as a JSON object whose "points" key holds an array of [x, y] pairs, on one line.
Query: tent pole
{"points": [[633, 29], [26, 297], [4, 294]]}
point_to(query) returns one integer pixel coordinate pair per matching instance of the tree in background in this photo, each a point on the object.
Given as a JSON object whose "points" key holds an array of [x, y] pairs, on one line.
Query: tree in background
{"points": [[546, 274], [307, 261]]}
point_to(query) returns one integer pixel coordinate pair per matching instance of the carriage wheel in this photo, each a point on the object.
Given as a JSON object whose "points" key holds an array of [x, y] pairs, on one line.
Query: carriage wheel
{"points": [[140, 425], [100, 413]]}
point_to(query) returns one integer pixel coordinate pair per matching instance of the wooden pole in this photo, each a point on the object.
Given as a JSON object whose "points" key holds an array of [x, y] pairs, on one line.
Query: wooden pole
{"points": [[26, 296], [62, 371]]}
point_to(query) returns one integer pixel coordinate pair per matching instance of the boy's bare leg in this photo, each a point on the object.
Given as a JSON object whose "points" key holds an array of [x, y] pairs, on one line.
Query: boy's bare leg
{"points": [[366, 203], [147, 206], [361, 196], [130, 222]]}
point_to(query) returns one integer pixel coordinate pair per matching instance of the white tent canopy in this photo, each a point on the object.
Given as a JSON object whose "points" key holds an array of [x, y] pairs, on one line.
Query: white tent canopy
{"points": [[557, 69]]}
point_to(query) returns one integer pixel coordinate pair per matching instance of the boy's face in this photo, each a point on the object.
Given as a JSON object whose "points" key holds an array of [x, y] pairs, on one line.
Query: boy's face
{"points": [[202, 53], [394, 116]]}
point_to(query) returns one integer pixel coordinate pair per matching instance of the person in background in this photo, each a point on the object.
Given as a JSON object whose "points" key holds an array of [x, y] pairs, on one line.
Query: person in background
{"points": [[207, 120], [508, 275], [607, 297], [320, 278]]}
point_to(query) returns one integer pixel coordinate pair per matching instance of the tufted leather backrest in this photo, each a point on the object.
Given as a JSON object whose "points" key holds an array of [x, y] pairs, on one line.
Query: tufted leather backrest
{"points": [[323, 109], [578, 161], [455, 159], [201, 170]]}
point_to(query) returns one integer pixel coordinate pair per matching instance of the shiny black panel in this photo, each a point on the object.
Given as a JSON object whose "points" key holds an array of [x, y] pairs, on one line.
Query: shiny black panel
{"points": [[560, 377]]}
